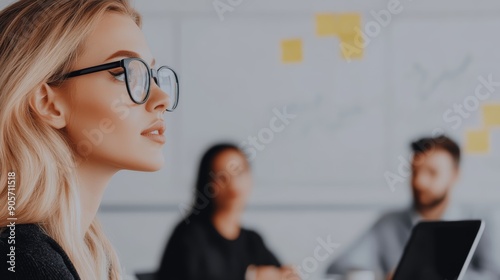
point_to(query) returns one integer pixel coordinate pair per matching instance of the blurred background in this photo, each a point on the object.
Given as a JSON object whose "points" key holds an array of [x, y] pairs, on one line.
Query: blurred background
{"points": [[353, 110], [326, 97]]}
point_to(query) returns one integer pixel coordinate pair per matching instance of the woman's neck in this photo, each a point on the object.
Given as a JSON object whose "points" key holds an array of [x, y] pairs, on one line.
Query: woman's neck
{"points": [[93, 178], [227, 223]]}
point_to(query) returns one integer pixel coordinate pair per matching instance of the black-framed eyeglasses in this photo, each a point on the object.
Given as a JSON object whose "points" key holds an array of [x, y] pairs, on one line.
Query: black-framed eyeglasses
{"points": [[137, 76]]}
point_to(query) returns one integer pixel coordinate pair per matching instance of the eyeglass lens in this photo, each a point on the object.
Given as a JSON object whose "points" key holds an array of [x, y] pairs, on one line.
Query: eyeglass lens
{"points": [[139, 84], [168, 84]]}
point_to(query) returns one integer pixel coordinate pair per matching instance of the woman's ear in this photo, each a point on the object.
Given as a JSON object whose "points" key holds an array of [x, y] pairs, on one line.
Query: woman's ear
{"points": [[49, 106]]}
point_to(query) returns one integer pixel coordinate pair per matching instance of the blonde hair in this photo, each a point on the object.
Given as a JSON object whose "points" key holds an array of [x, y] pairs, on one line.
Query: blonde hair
{"points": [[40, 40]]}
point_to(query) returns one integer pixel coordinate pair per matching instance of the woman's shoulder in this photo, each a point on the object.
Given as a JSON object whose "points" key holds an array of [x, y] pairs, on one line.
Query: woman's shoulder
{"points": [[190, 228], [25, 234], [251, 233], [31, 254]]}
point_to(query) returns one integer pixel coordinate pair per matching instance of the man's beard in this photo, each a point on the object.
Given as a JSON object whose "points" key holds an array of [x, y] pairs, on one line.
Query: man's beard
{"points": [[430, 205]]}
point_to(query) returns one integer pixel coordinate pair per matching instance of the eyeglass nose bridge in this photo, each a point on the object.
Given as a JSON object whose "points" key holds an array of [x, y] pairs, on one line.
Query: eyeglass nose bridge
{"points": [[154, 75]]}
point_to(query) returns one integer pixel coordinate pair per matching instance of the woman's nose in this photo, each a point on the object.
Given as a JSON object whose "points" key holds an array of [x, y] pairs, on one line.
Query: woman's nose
{"points": [[159, 100]]}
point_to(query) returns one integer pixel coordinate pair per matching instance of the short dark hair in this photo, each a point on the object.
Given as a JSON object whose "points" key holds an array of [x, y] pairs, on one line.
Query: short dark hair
{"points": [[441, 142]]}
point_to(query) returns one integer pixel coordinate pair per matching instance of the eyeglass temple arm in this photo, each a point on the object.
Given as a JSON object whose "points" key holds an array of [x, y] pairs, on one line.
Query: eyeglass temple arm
{"points": [[94, 69]]}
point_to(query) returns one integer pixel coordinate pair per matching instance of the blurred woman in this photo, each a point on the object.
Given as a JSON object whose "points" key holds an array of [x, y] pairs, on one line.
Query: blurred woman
{"points": [[78, 103], [210, 243]]}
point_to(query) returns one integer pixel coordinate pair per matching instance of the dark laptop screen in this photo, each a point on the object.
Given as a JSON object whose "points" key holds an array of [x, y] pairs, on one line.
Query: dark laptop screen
{"points": [[437, 250]]}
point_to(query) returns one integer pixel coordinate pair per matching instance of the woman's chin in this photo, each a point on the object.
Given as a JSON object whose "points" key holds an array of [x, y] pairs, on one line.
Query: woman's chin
{"points": [[148, 166]]}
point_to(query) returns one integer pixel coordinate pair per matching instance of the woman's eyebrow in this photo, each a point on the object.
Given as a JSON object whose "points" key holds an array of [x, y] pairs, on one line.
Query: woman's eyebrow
{"points": [[126, 53]]}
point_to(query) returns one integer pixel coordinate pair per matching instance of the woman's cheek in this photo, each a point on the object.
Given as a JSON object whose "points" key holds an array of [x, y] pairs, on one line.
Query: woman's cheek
{"points": [[96, 127]]}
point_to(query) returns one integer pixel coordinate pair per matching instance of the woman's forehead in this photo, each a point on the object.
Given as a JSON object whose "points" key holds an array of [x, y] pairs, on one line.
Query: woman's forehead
{"points": [[229, 159], [116, 35]]}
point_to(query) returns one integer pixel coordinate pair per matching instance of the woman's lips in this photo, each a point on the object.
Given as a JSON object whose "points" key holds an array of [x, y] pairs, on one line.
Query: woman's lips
{"points": [[156, 137], [156, 132]]}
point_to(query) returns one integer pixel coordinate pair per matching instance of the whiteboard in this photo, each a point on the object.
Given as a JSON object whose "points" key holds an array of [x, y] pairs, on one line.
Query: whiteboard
{"points": [[234, 79], [435, 64], [354, 121]]}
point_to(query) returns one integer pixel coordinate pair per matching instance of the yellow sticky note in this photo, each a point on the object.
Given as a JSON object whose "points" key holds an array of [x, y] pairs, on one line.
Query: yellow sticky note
{"points": [[477, 141], [491, 114], [349, 23], [347, 26], [291, 50], [351, 46], [327, 25], [330, 24]]}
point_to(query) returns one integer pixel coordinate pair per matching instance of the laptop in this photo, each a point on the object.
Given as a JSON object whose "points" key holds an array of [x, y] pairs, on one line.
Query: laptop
{"points": [[439, 250]]}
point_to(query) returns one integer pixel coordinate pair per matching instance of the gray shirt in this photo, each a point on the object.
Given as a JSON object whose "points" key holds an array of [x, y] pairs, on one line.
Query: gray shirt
{"points": [[380, 249]]}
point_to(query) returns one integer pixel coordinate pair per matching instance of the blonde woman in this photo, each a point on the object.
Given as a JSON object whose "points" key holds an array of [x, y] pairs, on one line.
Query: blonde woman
{"points": [[80, 99]]}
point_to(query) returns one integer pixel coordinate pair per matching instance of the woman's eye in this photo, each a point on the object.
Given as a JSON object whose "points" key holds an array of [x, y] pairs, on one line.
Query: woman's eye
{"points": [[119, 76]]}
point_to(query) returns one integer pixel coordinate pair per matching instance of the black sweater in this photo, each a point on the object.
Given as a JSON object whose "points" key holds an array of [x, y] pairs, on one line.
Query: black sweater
{"points": [[196, 251], [37, 255]]}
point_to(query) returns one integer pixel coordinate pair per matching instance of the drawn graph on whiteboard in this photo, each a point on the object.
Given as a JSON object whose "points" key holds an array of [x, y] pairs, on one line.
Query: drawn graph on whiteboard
{"points": [[320, 113], [427, 84], [433, 91], [339, 140]]}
